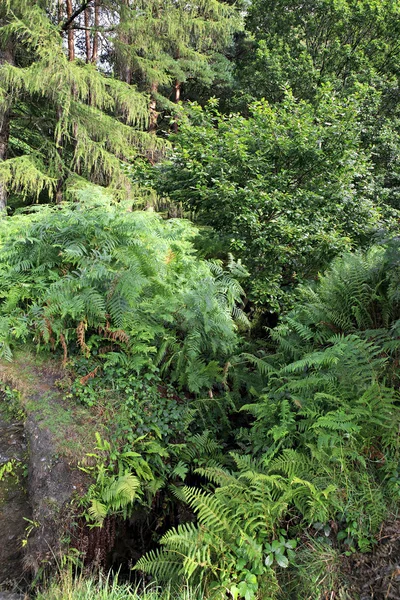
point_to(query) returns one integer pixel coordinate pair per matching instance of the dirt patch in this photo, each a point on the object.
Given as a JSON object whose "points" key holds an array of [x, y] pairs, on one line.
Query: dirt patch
{"points": [[376, 575]]}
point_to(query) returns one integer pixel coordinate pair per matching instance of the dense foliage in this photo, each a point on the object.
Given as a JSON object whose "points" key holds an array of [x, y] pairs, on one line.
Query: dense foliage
{"points": [[323, 449], [242, 359], [62, 113], [286, 189], [94, 276], [310, 43]]}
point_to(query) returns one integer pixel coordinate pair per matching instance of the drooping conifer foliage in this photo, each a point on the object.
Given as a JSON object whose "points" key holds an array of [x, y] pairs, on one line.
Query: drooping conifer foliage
{"points": [[164, 43], [57, 111], [87, 110]]}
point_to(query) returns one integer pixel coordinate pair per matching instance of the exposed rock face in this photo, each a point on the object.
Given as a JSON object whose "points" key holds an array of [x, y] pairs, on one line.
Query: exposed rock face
{"points": [[14, 505], [51, 484], [44, 496]]}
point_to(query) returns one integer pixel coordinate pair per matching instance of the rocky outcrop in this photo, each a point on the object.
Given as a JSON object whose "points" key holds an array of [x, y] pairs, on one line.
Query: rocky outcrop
{"points": [[35, 501], [51, 485], [14, 504]]}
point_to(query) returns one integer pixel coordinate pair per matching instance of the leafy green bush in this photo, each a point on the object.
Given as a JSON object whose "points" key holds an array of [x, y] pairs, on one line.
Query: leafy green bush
{"points": [[286, 189]]}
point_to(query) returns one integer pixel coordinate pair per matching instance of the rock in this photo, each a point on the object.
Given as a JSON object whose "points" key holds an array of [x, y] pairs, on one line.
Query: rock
{"points": [[14, 505], [50, 487], [51, 482]]}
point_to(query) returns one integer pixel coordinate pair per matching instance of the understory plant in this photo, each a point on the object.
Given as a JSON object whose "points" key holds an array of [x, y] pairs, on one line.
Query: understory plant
{"points": [[72, 587], [322, 450], [94, 278], [142, 324]]}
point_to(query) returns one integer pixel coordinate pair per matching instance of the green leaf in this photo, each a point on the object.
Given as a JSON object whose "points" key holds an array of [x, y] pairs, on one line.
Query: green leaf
{"points": [[234, 591], [282, 560], [242, 587], [269, 559], [276, 546]]}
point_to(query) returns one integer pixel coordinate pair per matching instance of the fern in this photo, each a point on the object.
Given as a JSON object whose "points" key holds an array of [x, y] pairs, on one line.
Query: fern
{"points": [[111, 495], [97, 265]]}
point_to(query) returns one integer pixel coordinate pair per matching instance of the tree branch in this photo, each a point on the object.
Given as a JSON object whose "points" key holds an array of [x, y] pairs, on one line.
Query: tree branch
{"points": [[75, 14], [99, 29]]}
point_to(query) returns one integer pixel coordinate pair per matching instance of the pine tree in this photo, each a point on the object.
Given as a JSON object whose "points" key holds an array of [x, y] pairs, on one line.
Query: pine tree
{"points": [[6, 57], [162, 44], [65, 117]]}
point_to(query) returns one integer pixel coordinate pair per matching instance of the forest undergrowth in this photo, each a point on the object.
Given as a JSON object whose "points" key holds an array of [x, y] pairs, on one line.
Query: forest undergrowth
{"points": [[199, 210]]}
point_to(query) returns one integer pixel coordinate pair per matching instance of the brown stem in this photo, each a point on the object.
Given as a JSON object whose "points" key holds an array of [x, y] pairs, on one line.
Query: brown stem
{"points": [[73, 15], [60, 10], [177, 94], [177, 91], [61, 178], [95, 49], [71, 35], [124, 63], [87, 34], [153, 108]]}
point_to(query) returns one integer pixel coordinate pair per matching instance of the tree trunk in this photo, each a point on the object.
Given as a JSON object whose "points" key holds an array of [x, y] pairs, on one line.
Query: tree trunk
{"points": [[95, 49], [6, 56], [71, 40], [153, 109], [4, 137], [126, 69], [177, 93], [60, 11], [87, 34], [127, 74], [61, 178]]}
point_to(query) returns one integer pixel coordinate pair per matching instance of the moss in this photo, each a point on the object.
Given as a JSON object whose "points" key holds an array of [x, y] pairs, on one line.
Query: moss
{"points": [[10, 485], [38, 379]]}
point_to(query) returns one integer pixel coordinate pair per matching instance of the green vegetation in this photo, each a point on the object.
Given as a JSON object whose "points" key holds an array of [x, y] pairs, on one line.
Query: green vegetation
{"points": [[69, 588], [323, 447], [199, 225], [295, 183]]}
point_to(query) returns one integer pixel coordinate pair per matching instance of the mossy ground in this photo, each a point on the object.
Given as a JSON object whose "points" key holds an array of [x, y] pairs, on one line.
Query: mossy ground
{"points": [[42, 386]]}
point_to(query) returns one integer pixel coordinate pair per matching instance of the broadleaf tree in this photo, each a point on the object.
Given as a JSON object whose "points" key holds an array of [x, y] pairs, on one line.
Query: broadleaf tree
{"points": [[286, 189]]}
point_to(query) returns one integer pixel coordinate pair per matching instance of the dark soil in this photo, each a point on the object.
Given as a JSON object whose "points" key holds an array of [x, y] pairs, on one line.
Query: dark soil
{"points": [[376, 575]]}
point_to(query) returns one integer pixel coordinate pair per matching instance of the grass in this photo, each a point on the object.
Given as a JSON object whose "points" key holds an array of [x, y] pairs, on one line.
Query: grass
{"points": [[79, 588], [40, 380]]}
